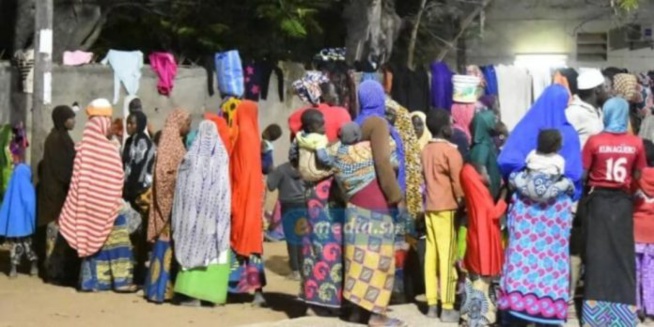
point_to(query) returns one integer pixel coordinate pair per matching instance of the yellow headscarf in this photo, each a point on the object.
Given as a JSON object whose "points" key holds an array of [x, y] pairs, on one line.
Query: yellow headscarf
{"points": [[426, 136]]}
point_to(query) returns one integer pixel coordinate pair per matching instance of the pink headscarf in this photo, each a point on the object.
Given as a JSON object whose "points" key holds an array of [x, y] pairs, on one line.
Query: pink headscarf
{"points": [[463, 115]]}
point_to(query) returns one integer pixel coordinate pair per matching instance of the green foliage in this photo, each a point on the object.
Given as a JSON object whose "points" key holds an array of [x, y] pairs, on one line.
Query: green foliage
{"points": [[628, 5], [194, 28]]}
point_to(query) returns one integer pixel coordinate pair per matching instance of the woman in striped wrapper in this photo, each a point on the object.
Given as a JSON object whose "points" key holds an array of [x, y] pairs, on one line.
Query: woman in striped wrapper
{"points": [[90, 219]]}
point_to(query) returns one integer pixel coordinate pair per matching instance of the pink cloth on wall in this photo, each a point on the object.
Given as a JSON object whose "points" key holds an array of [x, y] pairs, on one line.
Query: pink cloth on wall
{"points": [[164, 64], [77, 58]]}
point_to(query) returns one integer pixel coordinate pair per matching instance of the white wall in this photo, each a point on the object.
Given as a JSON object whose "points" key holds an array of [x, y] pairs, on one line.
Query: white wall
{"points": [[549, 27]]}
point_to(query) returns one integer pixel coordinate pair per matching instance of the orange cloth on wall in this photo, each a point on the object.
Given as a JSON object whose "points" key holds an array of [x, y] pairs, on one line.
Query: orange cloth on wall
{"points": [[247, 182], [484, 252]]}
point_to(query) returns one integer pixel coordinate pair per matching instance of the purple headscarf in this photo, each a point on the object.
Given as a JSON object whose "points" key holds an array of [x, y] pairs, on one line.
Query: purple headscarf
{"points": [[372, 100]]}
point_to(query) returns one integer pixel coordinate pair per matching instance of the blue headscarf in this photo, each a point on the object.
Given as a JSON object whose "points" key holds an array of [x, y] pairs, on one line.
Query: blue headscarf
{"points": [[616, 116], [373, 103], [18, 211], [547, 113]]}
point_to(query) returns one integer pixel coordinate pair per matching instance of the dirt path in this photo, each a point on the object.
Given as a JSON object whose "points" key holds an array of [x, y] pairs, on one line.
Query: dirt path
{"points": [[27, 302]]}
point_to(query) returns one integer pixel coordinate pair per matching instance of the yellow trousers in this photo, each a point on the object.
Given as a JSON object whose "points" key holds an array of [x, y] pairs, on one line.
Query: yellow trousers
{"points": [[440, 258]]}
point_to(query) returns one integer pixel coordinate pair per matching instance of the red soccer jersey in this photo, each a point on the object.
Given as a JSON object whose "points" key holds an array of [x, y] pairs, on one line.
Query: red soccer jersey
{"points": [[611, 159]]}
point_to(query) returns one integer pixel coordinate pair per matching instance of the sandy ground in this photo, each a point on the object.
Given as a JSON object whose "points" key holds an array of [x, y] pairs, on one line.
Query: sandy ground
{"points": [[27, 302]]}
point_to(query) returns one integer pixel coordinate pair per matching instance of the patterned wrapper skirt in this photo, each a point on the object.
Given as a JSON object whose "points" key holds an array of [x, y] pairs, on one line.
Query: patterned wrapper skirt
{"points": [[322, 268], [158, 286], [112, 267], [645, 278], [536, 272], [369, 258], [246, 275], [478, 306]]}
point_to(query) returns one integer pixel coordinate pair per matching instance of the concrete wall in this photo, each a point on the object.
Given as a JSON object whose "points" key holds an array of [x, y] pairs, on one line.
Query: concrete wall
{"points": [[83, 84], [549, 27]]}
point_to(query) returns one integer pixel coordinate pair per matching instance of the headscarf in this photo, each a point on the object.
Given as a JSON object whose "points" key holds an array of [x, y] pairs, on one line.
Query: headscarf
{"points": [[626, 86], [483, 150], [335, 118], [426, 135], [463, 115], [171, 151], [18, 212], [138, 159], [202, 206], [223, 130], [547, 113], [373, 103], [96, 190], [308, 87], [616, 115], [56, 168], [228, 109], [247, 183], [412, 157]]}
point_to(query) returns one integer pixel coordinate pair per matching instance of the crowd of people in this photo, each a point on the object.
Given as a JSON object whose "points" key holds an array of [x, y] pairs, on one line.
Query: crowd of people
{"points": [[502, 223]]}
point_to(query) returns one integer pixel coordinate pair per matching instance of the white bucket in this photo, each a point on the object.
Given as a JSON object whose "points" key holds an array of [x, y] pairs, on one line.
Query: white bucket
{"points": [[465, 88]]}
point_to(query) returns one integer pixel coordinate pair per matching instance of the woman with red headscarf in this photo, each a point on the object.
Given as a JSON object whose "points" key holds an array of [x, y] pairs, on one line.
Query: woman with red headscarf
{"points": [[321, 286]]}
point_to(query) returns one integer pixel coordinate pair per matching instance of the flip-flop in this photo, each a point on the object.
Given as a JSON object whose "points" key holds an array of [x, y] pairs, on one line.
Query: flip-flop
{"points": [[392, 322]]}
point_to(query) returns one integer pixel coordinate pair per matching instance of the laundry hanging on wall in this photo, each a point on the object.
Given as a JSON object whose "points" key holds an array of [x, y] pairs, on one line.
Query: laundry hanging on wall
{"points": [[541, 78], [25, 62], [411, 88], [514, 86], [127, 70], [491, 80], [229, 74], [77, 58], [165, 66], [257, 80], [442, 88]]}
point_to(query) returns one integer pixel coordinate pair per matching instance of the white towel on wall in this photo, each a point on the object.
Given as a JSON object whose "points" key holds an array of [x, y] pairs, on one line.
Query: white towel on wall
{"points": [[514, 87], [541, 78]]}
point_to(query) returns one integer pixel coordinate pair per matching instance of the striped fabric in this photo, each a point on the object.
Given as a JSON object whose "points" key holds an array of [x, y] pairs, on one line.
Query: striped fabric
{"points": [[94, 198], [25, 63]]}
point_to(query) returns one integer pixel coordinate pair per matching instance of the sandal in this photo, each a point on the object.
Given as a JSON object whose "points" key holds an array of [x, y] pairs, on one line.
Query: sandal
{"points": [[390, 322], [127, 289]]}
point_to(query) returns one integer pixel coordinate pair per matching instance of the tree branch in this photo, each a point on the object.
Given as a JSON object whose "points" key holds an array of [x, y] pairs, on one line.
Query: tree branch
{"points": [[464, 26], [414, 34]]}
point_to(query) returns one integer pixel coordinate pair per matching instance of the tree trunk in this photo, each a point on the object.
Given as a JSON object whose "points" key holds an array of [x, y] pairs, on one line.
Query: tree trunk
{"points": [[463, 27], [414, 34]]}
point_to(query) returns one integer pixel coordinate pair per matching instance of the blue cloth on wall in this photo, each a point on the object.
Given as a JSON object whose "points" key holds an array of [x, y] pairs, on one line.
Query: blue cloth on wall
{"points": [[442, 88], [547, 113], [229, 74], [491, 80], [127, 69], [18, 211]]}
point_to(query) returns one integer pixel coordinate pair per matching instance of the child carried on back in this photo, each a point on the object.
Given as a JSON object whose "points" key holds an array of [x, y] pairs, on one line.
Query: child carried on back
{"points": [[349, 160], [542, 179]]}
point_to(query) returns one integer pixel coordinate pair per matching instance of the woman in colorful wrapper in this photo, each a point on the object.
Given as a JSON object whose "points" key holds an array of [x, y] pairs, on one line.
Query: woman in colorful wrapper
{"points": [[158, 284], [90, 219]]}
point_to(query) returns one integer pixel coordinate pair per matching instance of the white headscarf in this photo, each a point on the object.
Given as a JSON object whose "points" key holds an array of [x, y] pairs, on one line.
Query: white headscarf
{"points": [[202, 205]]}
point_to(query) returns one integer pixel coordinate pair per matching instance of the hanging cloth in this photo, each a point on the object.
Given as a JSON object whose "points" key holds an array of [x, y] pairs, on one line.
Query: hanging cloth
{"points": [[265, 70], [165, 66], [514, 86], [541, 78], [442, 88], [491, 80], [127, 69], [229, 73], [77, 58]]}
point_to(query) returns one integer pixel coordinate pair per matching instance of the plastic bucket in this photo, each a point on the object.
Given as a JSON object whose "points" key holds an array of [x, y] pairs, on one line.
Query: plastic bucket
{"points": [[465, 88]]}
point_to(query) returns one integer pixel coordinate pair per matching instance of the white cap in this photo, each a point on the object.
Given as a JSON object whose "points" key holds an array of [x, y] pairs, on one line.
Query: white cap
{"points": [[590, 79]]}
